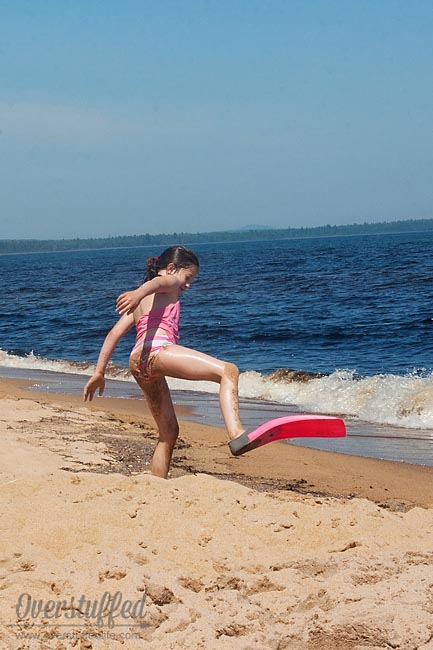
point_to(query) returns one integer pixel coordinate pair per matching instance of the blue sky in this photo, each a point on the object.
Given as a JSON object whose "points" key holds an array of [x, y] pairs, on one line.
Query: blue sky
{"points": [[127, 117]]}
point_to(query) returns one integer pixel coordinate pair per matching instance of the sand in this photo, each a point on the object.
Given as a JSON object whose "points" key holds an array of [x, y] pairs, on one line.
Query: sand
{"points": [[285, 548]]}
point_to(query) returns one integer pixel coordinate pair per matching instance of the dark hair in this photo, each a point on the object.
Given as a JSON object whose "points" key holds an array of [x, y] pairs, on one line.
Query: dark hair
{"points": [[180, 256]]}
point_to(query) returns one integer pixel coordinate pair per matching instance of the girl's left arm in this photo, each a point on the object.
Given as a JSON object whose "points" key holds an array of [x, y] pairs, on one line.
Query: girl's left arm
{"points": [[113, 337]]}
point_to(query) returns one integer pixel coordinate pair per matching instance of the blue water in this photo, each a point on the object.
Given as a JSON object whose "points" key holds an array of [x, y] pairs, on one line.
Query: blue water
{"points": [[363, 303]]}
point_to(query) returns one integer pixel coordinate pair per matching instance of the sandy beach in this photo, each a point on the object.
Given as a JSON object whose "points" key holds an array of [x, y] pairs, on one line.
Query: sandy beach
{"points": [[284, 548]]}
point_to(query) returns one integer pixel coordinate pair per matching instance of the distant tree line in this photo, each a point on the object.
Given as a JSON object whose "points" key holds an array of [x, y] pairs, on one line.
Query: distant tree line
{"points": [[124, 241]]}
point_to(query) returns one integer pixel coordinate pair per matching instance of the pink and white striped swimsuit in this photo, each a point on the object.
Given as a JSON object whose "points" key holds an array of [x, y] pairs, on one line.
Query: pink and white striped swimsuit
{"points": [[150, 340]]}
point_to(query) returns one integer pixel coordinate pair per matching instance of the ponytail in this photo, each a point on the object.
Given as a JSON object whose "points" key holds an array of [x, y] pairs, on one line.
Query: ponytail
{"points": [[151, 268]]}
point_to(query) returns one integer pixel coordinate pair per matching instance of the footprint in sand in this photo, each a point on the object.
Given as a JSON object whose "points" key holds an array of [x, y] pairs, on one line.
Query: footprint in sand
{"points": [[262, 585], [160, 595], [320, 599], [313, 569], [234, 583], [193, 584], [234, 629], [112, 574]]}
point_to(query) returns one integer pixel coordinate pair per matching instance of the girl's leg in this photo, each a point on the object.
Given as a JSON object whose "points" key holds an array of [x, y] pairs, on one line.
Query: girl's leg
{"points": [[158, 398], [184, 363]]}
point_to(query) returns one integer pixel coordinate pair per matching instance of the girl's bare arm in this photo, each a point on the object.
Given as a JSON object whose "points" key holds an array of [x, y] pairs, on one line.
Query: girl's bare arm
{"points": [[122, 326], [127, 302]]}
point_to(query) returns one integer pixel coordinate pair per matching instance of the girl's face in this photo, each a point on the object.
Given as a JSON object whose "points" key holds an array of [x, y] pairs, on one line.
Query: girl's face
{"points": [[186, 276]]}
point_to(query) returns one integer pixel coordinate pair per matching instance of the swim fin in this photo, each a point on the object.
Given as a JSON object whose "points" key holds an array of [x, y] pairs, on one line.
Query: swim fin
{"points": [[292, 426]]}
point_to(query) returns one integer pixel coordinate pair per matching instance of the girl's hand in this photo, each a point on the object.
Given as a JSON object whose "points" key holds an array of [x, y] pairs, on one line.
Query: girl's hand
{"points": [[127, 302], [97, 381]]}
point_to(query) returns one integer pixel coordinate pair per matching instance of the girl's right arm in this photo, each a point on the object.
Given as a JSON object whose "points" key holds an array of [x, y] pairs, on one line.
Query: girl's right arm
{"points": [[122, 326], [127, 302]]}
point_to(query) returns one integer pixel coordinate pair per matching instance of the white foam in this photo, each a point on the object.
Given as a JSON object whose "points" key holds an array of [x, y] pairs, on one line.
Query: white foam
{"points": [[397, 400], [404, 401], [33, 362]]}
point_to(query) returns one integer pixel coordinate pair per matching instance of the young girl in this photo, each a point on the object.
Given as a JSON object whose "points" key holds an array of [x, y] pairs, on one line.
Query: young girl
{"points": [[154, 309]]}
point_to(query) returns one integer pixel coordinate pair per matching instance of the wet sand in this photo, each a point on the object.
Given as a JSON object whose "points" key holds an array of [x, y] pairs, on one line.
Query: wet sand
{"points": [[285, 547]]}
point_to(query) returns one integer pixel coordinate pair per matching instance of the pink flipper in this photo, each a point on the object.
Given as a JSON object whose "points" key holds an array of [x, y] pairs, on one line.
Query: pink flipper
{"points": [[292, 426]]}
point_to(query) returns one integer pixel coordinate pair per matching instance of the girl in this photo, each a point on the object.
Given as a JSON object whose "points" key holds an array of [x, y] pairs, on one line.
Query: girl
{"points": [[154, 309]]}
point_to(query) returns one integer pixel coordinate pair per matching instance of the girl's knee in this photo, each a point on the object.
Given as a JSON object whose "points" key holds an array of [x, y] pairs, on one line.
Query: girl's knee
{"points": [[231, 371]]}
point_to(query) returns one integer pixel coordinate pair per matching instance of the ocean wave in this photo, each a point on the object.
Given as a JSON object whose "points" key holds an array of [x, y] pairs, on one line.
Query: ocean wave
{"points": [[387, 399], [33, 362]]}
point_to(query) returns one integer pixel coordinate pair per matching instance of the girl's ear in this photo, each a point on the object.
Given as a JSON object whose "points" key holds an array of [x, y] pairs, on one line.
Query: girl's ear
{"points": [[170, 268]]}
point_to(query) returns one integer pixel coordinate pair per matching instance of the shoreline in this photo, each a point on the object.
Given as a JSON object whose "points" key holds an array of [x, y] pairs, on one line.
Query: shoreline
{"points": [[202, 448], [364, 438]]}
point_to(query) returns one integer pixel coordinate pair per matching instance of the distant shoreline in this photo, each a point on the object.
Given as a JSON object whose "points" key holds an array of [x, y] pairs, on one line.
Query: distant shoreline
{"points": [[13, 246]]}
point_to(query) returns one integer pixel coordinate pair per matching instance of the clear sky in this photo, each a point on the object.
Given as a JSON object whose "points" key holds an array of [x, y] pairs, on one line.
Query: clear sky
{"points": [[135, 116]]}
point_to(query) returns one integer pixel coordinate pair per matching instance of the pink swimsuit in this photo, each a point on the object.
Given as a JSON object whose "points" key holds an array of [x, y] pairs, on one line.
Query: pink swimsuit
{"points": [[166, 319]]}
